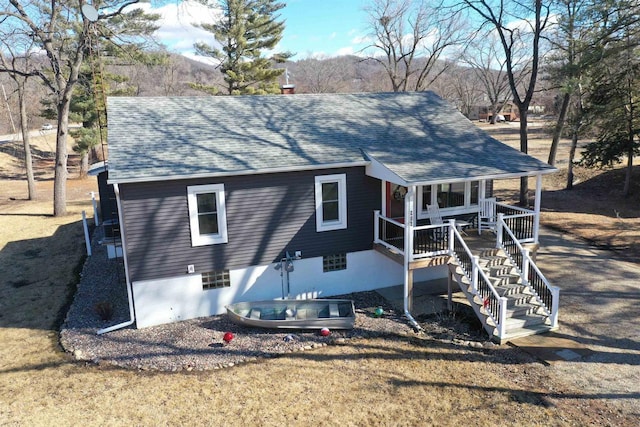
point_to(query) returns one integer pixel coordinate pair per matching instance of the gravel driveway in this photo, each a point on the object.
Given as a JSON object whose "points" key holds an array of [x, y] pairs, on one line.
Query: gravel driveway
{"points": [[600, 308]]}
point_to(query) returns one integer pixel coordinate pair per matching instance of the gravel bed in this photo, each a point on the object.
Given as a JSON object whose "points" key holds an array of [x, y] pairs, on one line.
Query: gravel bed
{"points": [[197, 344]]}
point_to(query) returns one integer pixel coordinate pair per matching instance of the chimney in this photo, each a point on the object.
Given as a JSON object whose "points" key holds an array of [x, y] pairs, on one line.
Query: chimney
{"points": [[288, 89]]}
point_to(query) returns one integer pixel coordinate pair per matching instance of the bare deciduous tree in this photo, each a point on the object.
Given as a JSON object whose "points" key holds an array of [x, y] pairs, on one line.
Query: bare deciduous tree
{"points": [[412, 36], [518, 25], [19, 63], [486, 58], [63, 34]]}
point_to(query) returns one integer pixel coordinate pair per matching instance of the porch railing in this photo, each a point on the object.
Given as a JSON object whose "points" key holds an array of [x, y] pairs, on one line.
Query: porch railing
{"points": [[522, 221], [426, 240], [494, 305], [433, 240], [546, 294], [389, 233]]}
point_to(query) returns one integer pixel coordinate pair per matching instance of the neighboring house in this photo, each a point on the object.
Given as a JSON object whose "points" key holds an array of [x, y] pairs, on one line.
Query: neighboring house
{"points": [[509, 112], [213, 193]]}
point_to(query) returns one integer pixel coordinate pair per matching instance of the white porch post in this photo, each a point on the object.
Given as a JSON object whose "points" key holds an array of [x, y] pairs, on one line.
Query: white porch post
{"points": [[408, 247], [383, 191], [536, 218], [482, 190]]}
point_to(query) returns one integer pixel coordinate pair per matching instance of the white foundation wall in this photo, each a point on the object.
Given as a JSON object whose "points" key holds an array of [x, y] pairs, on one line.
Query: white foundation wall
{"points": [[180, 298]]}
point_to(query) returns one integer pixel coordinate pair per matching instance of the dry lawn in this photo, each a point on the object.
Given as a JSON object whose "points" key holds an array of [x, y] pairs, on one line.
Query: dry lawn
{"points": [[394, 381]]}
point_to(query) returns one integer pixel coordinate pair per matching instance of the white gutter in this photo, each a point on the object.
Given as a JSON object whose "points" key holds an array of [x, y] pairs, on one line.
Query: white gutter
{"points": [[408, 250], [132, 314]]}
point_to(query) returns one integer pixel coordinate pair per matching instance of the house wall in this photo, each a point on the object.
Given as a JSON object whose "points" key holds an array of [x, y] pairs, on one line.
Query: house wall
{"points": [[266, 215], [182, 297]]}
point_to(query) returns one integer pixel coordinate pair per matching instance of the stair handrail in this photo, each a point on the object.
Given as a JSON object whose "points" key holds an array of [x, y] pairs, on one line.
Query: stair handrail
{"points": [[493, 304], [529, 272]]}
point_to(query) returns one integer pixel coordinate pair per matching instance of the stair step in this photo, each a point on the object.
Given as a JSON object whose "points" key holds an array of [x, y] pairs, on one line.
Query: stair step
{"points": [[505, 279], [525, 332], [516, 299], [509, 289], [501, 270], [526, 321], [490, 261], [488, 252], [520, 310]]}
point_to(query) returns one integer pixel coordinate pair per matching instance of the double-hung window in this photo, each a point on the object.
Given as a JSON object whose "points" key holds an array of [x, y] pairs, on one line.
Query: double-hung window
{"points": [[207, 215], [331, 202]]}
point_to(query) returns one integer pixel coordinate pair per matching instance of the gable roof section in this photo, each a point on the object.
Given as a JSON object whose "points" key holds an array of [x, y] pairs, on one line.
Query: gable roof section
{"points": [[416, 136]]}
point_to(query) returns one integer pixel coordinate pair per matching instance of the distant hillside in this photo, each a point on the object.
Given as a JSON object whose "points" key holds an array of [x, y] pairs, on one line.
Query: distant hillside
{"points": [[337, 74]]}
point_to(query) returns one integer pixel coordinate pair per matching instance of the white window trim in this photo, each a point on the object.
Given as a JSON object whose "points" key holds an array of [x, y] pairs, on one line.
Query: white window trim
{"points": [[341, 223], [198, 239], [468, 206]]}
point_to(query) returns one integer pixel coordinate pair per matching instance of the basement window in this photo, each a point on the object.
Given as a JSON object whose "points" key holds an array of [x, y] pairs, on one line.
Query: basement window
{"points": [[216, 279], [334, 262]]}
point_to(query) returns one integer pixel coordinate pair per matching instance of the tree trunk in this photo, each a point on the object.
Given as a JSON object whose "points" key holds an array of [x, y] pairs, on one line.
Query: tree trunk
{"points": [[557, 132], [61, 173], [631, 134], [494, 114], [84, 165], [524, 147], [572, 155], [627, 176], [26, 139], [95, 153]]}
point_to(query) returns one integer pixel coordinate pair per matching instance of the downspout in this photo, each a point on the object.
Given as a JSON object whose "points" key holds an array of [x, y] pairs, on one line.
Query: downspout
{"points": [[408, 251], [132, 314]]}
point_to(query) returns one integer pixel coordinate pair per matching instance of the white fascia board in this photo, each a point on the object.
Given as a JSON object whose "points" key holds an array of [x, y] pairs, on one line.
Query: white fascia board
{"points": [[376, 169], [239, 173], [485, 177]]}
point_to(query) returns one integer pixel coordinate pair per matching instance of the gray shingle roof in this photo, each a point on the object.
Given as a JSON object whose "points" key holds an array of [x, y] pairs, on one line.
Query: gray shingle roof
{"points": [[417, 136]]}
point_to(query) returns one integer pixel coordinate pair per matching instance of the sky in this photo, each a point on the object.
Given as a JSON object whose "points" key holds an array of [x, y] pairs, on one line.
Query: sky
{"points": [[313, 28]]}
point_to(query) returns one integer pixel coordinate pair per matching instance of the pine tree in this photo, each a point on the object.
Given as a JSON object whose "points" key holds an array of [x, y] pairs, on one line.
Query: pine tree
{"points": [[614, 101], [247, 29]]}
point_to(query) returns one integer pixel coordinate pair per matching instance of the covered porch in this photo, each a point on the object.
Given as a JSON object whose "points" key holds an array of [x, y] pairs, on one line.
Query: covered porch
{"points": [[416, 241]]}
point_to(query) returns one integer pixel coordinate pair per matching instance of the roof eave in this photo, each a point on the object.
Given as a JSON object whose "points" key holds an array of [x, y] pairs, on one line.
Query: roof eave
{"points": [[486, 177], [237, 173]]}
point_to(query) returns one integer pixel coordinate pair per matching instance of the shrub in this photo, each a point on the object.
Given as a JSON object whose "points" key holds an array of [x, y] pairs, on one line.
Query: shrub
{"points": [[104, 309]]}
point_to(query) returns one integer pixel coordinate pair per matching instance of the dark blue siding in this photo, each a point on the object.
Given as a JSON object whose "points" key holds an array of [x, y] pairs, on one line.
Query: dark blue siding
{"points": [[266, 215]]}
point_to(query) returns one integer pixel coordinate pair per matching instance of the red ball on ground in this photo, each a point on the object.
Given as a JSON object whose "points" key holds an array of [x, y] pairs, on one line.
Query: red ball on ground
{"points": [[228, 336], [325, 332]]}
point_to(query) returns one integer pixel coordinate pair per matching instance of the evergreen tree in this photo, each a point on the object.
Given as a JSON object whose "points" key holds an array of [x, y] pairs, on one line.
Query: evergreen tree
{"points": [[614, 100], [247, 29]]}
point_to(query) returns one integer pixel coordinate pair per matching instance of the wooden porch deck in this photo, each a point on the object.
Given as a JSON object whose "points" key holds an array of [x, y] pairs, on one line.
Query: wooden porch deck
{"points": [[477, 242], [474, 241]]}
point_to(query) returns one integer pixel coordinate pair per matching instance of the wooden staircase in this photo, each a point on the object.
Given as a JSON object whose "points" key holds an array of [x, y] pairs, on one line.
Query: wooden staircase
{"points": [[525, 315]]}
